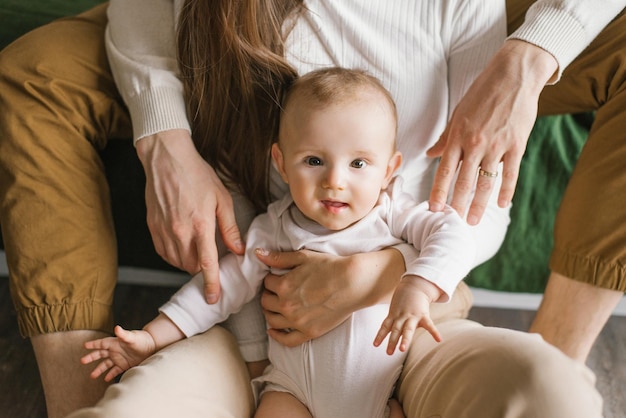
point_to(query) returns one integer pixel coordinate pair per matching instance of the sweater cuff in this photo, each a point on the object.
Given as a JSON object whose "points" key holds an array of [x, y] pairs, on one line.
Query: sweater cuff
{"points": [[157, 110], [555, 31]]}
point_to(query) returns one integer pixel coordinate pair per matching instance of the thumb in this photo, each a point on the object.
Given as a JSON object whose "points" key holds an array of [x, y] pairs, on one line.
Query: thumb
{"points": [[124, 335], [229, 230], [279, 259], [437, 149]]}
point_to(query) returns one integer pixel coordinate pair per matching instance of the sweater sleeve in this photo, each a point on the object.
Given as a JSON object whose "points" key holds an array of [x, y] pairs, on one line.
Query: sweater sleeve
{"points": [[141, 46], [565, 27]]}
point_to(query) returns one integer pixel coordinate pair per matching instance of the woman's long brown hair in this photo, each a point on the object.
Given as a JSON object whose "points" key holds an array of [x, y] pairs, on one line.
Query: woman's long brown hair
{"points": [[231, 57]]}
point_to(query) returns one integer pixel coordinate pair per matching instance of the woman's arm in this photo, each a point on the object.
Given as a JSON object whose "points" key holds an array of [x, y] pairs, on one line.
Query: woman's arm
{"points": [[322, 290], [185, 199]]}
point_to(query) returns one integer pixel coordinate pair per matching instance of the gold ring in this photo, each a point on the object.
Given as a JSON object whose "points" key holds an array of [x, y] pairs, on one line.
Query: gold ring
{"points": [[485, 173]]}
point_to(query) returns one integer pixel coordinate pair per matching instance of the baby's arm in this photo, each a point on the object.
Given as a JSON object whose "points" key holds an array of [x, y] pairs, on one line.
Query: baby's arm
{"points": [[129, 348], [410, 309]]}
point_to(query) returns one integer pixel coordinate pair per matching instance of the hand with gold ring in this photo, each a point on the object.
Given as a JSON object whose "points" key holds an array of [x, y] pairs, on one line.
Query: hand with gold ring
{"points": [[486, 173], [490, 125]]}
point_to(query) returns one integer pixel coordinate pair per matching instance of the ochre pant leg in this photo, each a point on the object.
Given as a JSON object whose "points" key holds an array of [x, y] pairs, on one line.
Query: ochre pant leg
{"points": [[203, 376], [590, 227], [490, 372], [58, 106]]}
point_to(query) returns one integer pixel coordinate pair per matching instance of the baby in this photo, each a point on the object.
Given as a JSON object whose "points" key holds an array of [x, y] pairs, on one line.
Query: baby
{"points": [[336, 151]]}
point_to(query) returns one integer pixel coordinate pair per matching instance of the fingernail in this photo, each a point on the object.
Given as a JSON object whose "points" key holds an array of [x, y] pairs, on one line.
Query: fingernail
{"points": [[434, 207], [262, 252], [211, 298], [472, 219]]}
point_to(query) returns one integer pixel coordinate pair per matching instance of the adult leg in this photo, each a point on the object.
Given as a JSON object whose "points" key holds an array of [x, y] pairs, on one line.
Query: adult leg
{"points": [[588, 277], [481, 371], [180, 381], [58, 103]]}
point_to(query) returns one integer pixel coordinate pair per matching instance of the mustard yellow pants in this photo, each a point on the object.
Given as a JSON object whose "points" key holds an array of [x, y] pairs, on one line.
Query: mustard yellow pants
{"points": [[59, 106]]}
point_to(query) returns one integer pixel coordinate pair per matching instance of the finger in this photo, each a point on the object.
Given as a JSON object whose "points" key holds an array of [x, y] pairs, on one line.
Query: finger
{"points": [[394, 338], [171, 254], [278, 259], [443, 179], [124, 335], [102, 367], [464, 185], [227, 224], [407, 336], [270, 284], [113, 373], [102, 343], [94, 356], [289, 339], [429, 326], [487, 175], [276, 320], [510, 174], [208, 259], [437, 149], [269, 300], [383, 331]]}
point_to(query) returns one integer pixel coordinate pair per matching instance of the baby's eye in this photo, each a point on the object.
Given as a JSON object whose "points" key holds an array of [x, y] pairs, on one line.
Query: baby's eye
{"points": [[358, 164], [313, 161]]}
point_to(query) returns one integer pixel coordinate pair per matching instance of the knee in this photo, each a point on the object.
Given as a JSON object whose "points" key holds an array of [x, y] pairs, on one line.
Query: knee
{"points": [[482, 371], [522, 375]]}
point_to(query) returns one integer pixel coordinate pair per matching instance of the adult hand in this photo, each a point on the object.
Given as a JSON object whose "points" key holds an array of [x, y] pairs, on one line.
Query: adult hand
{"points": [[491, 124], [321, 290], [184, 199]]}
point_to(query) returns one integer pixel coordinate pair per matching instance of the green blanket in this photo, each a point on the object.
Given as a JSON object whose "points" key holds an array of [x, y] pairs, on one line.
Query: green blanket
{"points": [[519, 266]]}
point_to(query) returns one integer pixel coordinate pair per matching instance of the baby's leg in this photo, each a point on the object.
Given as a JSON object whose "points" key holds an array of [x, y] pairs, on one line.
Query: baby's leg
{"points": [[395, 409], [281, 405]]}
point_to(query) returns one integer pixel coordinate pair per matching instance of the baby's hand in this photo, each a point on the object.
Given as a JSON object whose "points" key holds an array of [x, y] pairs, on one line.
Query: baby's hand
{"points": [[410, 309], [118, 354]]}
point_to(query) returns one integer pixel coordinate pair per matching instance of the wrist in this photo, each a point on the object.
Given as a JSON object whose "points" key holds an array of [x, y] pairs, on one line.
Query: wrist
{"points": [[533, 66], [163, 332], [150, 147], [432, 291]]}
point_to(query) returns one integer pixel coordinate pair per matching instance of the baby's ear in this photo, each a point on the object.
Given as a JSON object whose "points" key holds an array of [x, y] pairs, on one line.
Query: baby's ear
{"points": [[392, 166], [277, 156]]}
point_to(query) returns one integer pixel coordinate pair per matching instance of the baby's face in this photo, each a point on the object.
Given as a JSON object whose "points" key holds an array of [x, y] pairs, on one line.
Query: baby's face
{"points": [[336, 160]]}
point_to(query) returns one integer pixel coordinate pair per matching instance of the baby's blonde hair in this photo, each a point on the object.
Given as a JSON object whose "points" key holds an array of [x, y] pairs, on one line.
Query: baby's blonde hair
{"points": [[334, 85]]}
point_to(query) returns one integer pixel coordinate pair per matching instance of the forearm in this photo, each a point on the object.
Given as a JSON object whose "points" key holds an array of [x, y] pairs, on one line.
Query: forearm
{"points": [[374, 276]]}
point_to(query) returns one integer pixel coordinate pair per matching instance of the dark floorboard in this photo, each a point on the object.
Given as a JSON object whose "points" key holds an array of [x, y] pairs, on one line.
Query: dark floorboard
{"points": [[21, 395]]}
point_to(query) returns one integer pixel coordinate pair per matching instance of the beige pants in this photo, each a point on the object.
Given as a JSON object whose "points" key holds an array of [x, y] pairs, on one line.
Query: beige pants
{"points": [[476, 372]]}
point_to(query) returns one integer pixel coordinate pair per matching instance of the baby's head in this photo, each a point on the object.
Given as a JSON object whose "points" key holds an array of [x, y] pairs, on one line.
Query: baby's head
{"points": [[336, 144]]}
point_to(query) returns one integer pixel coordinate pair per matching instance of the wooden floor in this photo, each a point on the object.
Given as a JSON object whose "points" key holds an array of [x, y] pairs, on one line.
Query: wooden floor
{"points": [[21, 395]]}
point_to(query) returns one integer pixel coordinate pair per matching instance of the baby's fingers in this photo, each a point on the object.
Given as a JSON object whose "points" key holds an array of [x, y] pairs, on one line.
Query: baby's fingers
{"points": [[385, 328], [101, 368], [94, 356], [113, 373], [429, 326]]}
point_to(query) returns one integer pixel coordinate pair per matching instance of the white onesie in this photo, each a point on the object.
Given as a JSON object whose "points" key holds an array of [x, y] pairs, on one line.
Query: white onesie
{"points": [[341, 373]]}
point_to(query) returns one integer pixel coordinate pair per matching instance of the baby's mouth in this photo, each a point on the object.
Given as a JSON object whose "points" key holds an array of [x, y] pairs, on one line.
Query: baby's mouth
{"points": [[333, 205]]}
